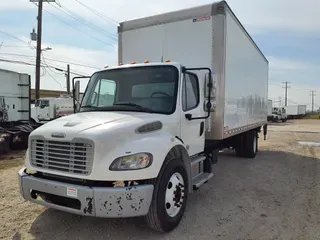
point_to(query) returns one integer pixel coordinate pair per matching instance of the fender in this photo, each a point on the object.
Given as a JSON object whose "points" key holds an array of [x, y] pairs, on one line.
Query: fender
{"points": [[181, 152], [159, 144]]}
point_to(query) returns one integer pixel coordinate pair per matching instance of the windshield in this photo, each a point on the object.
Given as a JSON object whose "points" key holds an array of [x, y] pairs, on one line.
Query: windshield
{"points": [[43, 103], [146, 89]]}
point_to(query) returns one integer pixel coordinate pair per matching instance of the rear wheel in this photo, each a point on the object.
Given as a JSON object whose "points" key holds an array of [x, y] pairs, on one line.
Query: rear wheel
{"points": [[247, 145], [251, 144], [169, 197]]}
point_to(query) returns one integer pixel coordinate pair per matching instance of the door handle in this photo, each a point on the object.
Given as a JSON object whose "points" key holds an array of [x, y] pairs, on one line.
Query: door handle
{"points": [[201, 128], [188, 116]]}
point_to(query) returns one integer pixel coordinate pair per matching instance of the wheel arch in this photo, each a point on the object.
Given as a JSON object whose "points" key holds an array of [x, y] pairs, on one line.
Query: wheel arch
{"points": [[179, 151]]}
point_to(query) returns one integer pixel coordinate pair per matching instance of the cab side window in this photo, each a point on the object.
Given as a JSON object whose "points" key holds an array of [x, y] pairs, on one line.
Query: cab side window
{"points": [[190, 92]]}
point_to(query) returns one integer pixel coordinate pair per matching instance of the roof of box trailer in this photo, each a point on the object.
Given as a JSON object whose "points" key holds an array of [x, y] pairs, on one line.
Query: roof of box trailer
{"points": [[199, 11], [9, 71], [175, 16]]}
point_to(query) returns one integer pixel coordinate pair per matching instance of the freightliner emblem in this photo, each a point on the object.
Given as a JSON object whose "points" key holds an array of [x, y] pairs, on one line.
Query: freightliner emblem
{"points": [[58, 135]]}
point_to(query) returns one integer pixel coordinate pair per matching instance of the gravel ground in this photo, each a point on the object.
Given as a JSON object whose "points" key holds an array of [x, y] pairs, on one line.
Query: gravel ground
{"points": [[274, 196]]}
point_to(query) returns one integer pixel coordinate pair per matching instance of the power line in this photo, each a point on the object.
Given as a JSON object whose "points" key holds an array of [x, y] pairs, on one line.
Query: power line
{"points": [[275, 84], [10, 35], [65, 22], [293, 88], [85, 22], [108, 19], [50, 73], [33, 64], [12, 46], [54, 60]]}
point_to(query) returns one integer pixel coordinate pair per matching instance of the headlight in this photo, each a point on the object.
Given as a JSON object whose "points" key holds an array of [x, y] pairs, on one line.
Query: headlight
{"points": [[132, 162]]}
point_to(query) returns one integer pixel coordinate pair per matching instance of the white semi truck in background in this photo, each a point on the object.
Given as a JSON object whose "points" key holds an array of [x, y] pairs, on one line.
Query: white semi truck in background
{"points": [[15, 124], [279, 114], [48, 109], [189, 83]]}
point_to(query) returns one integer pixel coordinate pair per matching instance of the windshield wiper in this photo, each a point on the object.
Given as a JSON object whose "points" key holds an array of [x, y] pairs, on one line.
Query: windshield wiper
{"points": [[130, 104], [88, 106]]}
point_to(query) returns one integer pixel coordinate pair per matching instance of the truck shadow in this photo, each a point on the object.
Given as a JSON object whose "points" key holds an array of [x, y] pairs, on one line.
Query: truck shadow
{"points": [[238, 183], [288, 122]]}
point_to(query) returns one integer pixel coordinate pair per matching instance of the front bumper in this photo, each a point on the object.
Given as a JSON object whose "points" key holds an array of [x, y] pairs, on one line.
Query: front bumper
{"points": [[107, 202]]}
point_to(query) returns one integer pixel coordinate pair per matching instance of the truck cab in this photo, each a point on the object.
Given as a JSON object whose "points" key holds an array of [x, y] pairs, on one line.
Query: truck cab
{"points": [[279, 114], [47, 109], [138, 125]]}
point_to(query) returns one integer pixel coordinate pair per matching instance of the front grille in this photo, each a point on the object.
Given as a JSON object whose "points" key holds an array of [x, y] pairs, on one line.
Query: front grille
{"points": [[71, 157]]}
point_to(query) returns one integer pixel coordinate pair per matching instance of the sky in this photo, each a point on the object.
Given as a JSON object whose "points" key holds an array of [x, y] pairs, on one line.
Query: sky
{"points": [[287, 32]]}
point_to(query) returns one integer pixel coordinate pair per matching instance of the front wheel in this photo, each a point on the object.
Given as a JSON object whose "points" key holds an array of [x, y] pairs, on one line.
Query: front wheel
{"points": [[169, 197]]}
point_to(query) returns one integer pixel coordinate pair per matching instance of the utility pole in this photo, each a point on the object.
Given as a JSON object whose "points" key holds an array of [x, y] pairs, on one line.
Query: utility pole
{"points": [[39, 39], [68, 79], [280, 101], [38, 61], [286, 93], [313, 94]]}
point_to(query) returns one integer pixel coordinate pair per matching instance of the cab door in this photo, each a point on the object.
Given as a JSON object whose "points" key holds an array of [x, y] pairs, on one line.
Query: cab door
{"points": [[44, 111], [192, 131]]}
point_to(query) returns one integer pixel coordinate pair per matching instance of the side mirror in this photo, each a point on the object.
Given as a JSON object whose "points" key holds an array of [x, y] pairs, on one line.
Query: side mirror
{"points": [[77, 91], [206, 88]]}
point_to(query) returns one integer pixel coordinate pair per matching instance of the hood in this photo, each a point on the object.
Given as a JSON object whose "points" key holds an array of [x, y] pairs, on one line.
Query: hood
{"points": [[74, 124]]}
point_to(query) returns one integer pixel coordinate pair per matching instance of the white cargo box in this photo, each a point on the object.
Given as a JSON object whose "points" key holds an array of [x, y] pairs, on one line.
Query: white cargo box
{"points": [[292, 110], [302, 109], [206, 36], [296, 110], [14, 96]]}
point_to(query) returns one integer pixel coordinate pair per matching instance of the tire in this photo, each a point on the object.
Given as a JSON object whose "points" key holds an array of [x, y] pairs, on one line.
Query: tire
{"points": [[240, 145], [284, 120], [250, 144], [247, 146], [162, 217], [33, 122], [257, 142]]}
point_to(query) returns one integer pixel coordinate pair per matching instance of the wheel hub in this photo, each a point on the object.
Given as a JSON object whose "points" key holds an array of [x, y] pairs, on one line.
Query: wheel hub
{"points": [[174, 194]]}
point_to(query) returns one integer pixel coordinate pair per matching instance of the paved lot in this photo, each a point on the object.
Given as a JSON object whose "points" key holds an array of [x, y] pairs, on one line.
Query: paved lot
{"points": [[274, 196]]}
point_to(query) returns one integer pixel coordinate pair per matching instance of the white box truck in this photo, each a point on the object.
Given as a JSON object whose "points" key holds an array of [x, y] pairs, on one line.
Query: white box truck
{"points": [[14, 110], [302, 110], [296, 111], [148, 131]]}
